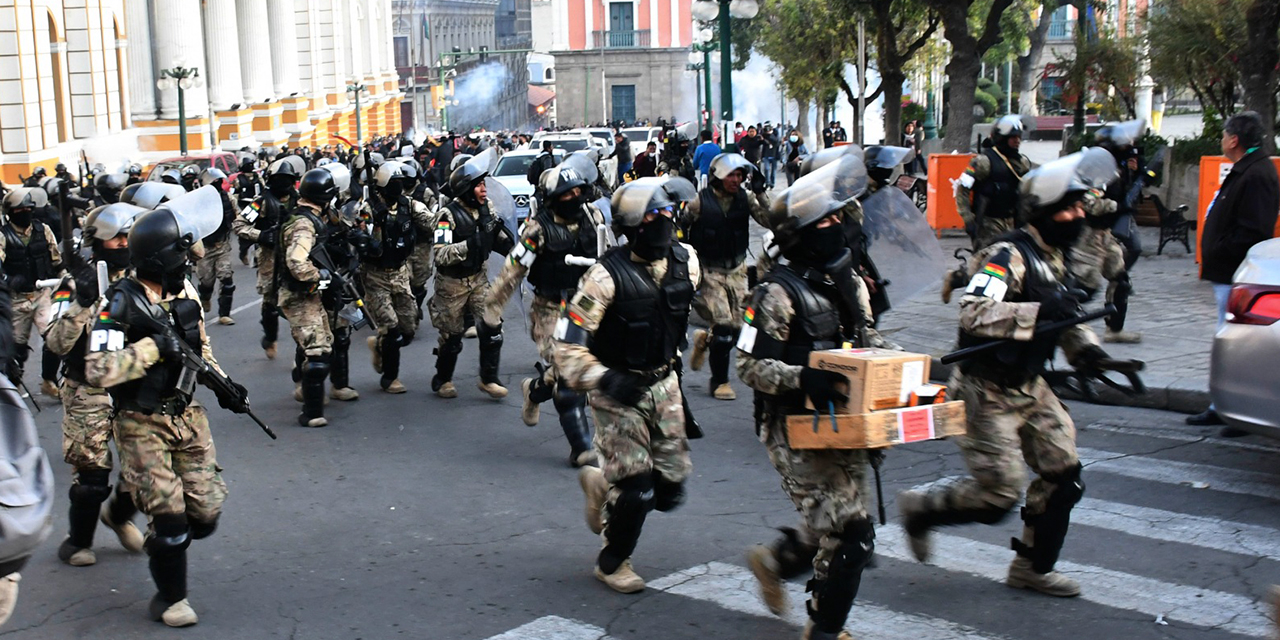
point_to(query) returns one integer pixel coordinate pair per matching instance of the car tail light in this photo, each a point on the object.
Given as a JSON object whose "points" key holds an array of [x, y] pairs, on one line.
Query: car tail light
{"points": [[1253, 304]]}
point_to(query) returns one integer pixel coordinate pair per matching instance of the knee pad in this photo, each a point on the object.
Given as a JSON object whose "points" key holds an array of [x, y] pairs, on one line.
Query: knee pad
{"points": [[724, 333], [201, 529], [565, 398], [228, 287], [316, 367], [341, 339], [91, 486], [205, 291], [667, 495], [170, 534], [490, 337], [795, 557], [392, 337], [406, 338], [1068, 487], [452, 345], [637, 495]]}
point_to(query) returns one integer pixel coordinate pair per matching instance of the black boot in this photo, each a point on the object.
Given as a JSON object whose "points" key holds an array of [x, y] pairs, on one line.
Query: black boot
{"points": [[167, 547], [833, 597], [572, 408], [490, 356], [446, 362], [49, 362], [390, 350], [420, 296], [87, 496], [340, 360], [314, 371], [270, 329], [121, 509], [206, 294], [225, 295], [718, 354]]}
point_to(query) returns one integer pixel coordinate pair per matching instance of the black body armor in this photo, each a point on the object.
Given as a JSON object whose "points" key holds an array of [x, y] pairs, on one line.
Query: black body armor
{"points": [[550, 276], [322, 238], [815, 326], [466, 227], [399, 235], [997, 196], [167, 386], [30, 261], [721, 237], [645, 324]]}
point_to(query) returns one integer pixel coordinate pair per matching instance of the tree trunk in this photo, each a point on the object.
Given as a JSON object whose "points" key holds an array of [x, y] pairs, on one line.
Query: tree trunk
{"points": [[1258, 65], [892, 84], [1027, 65], [1082, 24], [962, 72], [802, 117]]}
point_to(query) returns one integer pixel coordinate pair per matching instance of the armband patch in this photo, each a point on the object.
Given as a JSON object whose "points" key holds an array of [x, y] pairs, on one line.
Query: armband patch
{"points": [[61, 302], [523, 254], [251, 212], [105, 336], [444, 232], [966, 180]]}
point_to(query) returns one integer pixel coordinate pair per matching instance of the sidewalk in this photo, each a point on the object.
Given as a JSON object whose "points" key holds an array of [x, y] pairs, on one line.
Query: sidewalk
{"points": [[1171, 307]]}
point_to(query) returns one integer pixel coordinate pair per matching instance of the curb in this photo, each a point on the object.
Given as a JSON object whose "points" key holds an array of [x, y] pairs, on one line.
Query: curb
{"points": [[1158, 396]]}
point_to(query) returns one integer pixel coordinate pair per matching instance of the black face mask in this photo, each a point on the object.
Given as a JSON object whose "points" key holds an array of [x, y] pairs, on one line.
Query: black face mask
{"points": [[172, 282], [570, 209], [819, 247], [20, 217], [1061, 235], [280, 191], [116, 259], [1005, 150], [652, 240]]}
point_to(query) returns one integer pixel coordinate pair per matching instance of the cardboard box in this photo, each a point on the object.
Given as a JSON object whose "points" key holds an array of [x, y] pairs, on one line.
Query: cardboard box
{"points": [[877, 428], [878, 378]]}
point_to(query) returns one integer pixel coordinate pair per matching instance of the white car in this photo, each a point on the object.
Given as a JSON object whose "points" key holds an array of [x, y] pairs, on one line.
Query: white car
{"points": [[567, 141], [640, 137], [604, 134], [512, 172]]}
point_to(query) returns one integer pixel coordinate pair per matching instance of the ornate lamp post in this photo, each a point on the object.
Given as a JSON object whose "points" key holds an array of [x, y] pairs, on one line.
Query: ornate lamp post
{"points": [[721, 11], [355, 87], [181, 78]]}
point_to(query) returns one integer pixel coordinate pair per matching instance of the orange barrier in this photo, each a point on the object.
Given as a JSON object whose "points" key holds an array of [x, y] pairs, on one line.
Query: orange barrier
{"points": [[941, 209], [1213, 169]]}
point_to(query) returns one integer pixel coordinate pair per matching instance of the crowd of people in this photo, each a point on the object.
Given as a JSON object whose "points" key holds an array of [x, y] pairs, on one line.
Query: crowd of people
{"points": [[345, 239]]}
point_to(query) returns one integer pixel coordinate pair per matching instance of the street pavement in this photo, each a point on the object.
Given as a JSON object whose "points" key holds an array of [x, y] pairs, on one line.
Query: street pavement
{"points": [[415, 517]]}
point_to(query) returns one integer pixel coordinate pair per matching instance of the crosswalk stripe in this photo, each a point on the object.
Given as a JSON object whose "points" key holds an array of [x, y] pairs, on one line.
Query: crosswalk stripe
{"points": [[1175, 472], [734, 588], [1176, 436], [554, 628], [1171, 526], [1176, 602]]}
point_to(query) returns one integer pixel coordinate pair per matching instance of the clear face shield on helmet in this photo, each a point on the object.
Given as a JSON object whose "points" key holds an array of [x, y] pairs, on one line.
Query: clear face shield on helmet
{"points": [[819, 159], [1047, 185], [584, 163], [109, 221], [198, 213]]}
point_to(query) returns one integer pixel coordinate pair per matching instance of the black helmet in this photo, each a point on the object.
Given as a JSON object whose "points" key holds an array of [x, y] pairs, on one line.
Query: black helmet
{"points": [[150, 195], [39, 172], [108, 185], [158, 249], [458, 161], [247, 164], [558, 180], [60, 168], [135, 169], [463, 181], [171, 176], [318, 186], [284, 173]]}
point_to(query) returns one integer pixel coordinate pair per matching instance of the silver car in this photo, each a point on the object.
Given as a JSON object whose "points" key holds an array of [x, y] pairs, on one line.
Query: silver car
{"points": [[1243, 378], [512, 170]]}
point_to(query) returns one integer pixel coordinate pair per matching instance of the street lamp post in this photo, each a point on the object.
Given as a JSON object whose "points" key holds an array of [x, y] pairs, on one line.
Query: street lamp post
{"points": [[697, 68], [721, 11], [180, 78], [356, 88]]}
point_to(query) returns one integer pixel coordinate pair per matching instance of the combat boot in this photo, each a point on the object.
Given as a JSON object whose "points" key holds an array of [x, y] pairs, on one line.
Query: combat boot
{"points": [[49, 388], [446, 362], [340, 368], [225, 295], [765, 567], [390, 349], [375, 354], [720, 351], [624, 580], [117, 514], [8, 595], [344, 394], [270, 331], [1023, 576], [76, 556], [1122, 337], [911, 504], [206, 297], [532, 389], [490, 357], [178, 614], [594, 489], [724, 392], [701, 342], [812, 633], [314, 371]]}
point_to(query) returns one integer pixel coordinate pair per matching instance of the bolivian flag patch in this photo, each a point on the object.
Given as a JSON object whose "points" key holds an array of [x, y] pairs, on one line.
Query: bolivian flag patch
{"points": [[749, 315], [61, 296], [996, 271]]}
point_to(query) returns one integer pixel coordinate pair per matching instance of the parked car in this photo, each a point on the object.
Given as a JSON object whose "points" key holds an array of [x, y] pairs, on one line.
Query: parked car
{"points": [[1243, 378], [512, 172], [222, 160], [565, 141], [640, 137], [600, 133]]}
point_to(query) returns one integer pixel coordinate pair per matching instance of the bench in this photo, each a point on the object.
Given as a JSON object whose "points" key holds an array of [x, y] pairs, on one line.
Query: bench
{"points": [[1174, 225]]}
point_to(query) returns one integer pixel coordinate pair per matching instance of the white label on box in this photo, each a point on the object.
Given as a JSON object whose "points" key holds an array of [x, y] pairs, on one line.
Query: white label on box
{"points": [[915, 424], [912, 377]]}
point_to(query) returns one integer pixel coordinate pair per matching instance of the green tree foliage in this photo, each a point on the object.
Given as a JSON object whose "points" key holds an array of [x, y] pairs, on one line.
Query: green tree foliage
{"points": [[1197, 44]]}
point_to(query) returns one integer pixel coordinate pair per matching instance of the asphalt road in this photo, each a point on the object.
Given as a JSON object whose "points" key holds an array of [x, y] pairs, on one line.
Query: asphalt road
{"points": [[416, 517]]}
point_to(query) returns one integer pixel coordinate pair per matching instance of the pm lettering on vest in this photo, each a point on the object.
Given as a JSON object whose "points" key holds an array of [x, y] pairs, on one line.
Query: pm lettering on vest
{"points": [[106, 340]]}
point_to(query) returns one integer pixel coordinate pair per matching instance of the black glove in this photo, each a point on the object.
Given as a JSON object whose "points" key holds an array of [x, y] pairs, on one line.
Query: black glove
{"points": [[1090, 358], [1058, 304], [20, 283], [267, 237], [239, 403], [626, 387], [758, 183], [503, 241], [86, 286], [169, 348], [821, 387], [489, 223]]}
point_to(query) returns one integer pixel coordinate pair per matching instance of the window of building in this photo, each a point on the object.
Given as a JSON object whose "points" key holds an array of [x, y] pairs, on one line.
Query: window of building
{"points": [[1061, 24], [402, 51], [549, 75], [623, 99]]}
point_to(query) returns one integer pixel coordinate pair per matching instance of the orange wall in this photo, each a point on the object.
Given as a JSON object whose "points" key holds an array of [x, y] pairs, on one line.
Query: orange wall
{"points": [[642, 20], [661, 35], [577, 18], [664, 25], [686, 24]]}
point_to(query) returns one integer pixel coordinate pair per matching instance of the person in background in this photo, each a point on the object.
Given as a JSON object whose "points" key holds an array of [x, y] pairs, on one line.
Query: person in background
{"points": [[1242, 214], [916, 166], [621, 151], [646, 163], [704, 154], [751, 146], [828, 135], [769, 155], [838, 133], [793, 151]]}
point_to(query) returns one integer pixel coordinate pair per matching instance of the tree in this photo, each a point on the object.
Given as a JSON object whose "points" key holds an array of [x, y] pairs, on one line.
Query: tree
{"points": [[901, 28], [1102, 66], [968, 45], [1027, 63], [1258, 65], [1198, 44], [809, 41]]}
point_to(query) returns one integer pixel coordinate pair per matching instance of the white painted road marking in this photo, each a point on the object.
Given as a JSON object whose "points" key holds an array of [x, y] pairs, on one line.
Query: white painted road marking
{"points": [[255, 303], [734, 588], [1176, 602], [1140, 467], [1171, 526], [554, 628], [1178, 436]]}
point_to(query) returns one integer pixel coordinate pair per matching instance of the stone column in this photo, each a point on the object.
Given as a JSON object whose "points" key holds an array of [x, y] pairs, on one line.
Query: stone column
{"points": [[178, 41], [142, 78], [225, 88], [284, 47], [255, 50]]}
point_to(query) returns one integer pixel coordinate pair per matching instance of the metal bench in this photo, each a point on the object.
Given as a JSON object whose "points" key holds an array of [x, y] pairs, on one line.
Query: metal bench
{"points": [[1174, 226]]}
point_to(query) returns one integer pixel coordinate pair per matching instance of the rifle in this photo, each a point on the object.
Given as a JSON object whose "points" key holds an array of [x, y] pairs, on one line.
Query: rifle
{"points": [[969, 352], [320, 256], [194, 364]]}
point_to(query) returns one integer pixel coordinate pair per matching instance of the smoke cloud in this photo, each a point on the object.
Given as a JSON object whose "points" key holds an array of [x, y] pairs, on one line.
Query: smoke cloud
{"points": [[477, 92], [757, 98]]}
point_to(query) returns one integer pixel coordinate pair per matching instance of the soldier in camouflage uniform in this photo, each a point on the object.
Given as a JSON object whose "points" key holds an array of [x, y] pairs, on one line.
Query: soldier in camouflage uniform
{"points": [[1097, 258], [396, 221], [86, 423], [1012, 414], [618, 340], [466, 232], [216, 262], [166, 448], [987, 192], [421, 265], [260, 223], [718, 226], [808, 303], [29, 253], [566, 227]]}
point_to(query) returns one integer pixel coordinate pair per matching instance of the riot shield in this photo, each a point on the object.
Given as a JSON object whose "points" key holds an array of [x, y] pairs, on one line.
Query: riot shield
{"points": [[584, 164], [299, 165], [341, 176], [150, 195], [680, 189], [900, 243], [486, 160], [1128, 132], [501, 204], [886, 157], [819, 193], [198, 213], [726, 163], [1092, 168], [819, 159], [109, 221]]}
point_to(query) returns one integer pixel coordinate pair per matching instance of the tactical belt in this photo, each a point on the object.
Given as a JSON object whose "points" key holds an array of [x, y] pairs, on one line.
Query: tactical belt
{"points": [[1001, 374], [167, 407], [653, 376]]}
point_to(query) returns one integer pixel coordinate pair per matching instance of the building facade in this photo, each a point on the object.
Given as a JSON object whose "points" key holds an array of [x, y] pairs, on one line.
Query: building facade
{"points": [[617, 61], [81, 75]]}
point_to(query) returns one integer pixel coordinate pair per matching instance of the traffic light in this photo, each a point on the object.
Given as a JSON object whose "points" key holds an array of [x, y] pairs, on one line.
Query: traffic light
{"points": [[437, 97]]}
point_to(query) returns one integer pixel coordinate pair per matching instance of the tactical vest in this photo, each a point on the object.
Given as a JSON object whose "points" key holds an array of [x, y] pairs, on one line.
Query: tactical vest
{"points": [[399, 235], [466, 227], [550, 276], [644, 325], [322, 237], [247, 189], [815, 326], [31, 261], [273, 213], [997, 195], [164, 387], [1014, 364], [721, 237]]}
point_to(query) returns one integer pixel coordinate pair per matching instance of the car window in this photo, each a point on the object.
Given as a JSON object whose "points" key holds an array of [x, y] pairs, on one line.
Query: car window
{"points": [[513, 165], [570, 145], [636, 135]]}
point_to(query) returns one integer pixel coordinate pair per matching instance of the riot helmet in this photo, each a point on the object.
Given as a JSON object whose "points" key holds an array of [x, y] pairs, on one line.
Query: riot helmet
{"points": [[458, 161], [797, 215], [1006, 134], [135, 170], [318, 187], [820, 159], [60, 168], [374, 160], [283, 175], [463, 182], [108, 186], [645, 214], [171, 176], [247, 164], [882, 161], [1060, 185], [21, 203], [562, 181], [39, 172], [107, 222], [395, 179], [1121, 138], [341, 176], [724, 165], [150, 195], [160, 240], [213, 176]]}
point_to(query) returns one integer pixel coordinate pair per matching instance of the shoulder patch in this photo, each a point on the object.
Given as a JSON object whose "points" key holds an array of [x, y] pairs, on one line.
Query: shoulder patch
{"points": [[992, 280]]}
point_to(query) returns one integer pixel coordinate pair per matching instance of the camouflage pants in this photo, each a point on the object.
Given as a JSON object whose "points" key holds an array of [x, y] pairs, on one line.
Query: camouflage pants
{"points": [[389, 299], [646, 438], [421, 266], [30, 310], [825, 485], [266, 273], [1098, 256], [215, 265], [171, 463], [452, 296], [990, 229], [1005, 427], [543, 315], [308, 322], [721, 296], [86, 426]]}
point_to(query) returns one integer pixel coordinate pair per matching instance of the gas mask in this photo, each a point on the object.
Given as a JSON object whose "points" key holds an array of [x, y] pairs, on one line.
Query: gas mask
{"points": [[20, 217]]}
